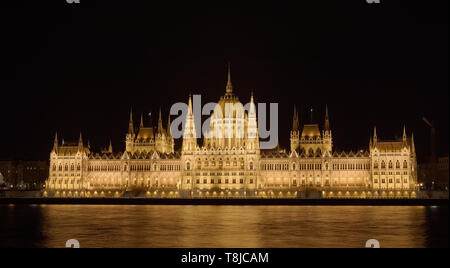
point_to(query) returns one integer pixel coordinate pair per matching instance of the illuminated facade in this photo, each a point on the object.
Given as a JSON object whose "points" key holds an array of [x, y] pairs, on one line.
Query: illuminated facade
{"points": [[230, 163]]}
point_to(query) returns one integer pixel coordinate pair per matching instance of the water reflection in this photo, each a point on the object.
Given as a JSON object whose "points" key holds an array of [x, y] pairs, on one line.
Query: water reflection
{"points": [[222, 226]]}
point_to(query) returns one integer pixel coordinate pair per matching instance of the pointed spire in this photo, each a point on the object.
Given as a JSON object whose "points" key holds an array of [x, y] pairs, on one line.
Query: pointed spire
{"points": [[189, 129], [229, 88], [295, 121], [89, 144], [375, 138], [190, 105], [80, 141], [405, 142], [160, 126], [110, 149], [327, 122], [413, 146], [130, 124], [55, 143], [169, 133], [142, 121]]}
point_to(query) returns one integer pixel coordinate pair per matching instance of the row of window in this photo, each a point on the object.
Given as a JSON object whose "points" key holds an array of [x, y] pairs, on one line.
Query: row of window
{"points": [[398, 181], [391, 165], [66, 168], [219, 181], [219, 174], [316, 166], [390, 173]]}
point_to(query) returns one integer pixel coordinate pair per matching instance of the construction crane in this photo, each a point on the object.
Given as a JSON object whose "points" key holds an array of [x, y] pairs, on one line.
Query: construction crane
{"points": [[433, 160], [432, 137]]}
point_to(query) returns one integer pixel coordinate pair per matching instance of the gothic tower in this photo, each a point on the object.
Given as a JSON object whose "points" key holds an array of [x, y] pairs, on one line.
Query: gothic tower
{"points": [[295, 132]]}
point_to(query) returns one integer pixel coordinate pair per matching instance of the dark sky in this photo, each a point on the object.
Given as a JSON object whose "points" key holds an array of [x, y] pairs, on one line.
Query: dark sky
{"points": [[77, 67]]}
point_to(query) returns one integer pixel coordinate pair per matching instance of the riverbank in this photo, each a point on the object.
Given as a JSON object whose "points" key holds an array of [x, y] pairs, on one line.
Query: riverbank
{"points": [[226, 202]]}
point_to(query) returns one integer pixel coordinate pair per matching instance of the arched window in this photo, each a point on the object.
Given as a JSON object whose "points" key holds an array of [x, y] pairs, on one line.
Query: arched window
{"points": [[383, 164], [78, 167], [54, 167], [405, 164], [375, 165], [66, 168], [188, 166], [251, 165], [293, 166], [397, 164], [390, 164]]}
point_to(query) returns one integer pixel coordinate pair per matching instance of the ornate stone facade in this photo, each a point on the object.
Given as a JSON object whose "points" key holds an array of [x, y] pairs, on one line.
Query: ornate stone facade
{"points": [[230, 163]]}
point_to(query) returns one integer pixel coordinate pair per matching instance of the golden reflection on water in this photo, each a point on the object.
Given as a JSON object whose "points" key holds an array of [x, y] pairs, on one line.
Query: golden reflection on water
{"points": [[225, 226]]}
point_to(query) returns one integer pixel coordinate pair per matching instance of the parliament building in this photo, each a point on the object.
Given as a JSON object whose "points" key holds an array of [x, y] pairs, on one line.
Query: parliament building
{"points": [[230, 164]]}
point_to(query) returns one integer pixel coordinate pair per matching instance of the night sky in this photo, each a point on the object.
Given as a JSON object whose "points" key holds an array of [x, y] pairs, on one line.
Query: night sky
{"points": [[81, 67]]}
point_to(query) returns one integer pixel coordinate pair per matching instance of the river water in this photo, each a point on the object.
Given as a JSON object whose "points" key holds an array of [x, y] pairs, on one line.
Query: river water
{"points": [[222, 226]]}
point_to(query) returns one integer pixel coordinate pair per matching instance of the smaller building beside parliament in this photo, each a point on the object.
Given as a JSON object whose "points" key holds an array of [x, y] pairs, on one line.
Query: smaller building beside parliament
{"points": [[233, 166]]}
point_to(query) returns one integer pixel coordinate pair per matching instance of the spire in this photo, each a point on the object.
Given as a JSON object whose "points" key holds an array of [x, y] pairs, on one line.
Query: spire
{"points": [[160, 127], [229, 88], [404, 137], [252, 110], [142, 121], [55, 143], [413, 146], [189, 129], [375, 139], [190, 105], [295, 121], [80, 141], [327, 122], [169, 133], [252, 128], [89, 144], [130, 124], [110, 149]]}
